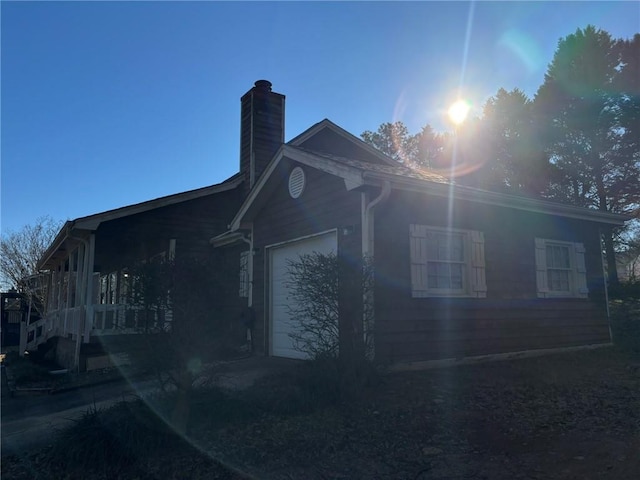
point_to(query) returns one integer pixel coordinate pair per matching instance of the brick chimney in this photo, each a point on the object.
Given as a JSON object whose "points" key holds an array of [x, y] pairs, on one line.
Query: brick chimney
{"points": [[261, 130]]}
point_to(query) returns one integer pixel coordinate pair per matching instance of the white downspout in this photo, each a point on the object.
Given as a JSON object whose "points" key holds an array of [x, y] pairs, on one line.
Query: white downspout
{"points": [[367, 255], [249, 241], [83, 328], [605, 281]]}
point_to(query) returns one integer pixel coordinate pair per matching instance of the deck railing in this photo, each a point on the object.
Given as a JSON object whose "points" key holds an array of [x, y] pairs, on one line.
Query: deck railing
{"points": [[109, 319]]}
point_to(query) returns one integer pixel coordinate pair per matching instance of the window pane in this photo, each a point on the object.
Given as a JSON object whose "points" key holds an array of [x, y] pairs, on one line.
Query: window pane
{"points": [[432, 246], [558, 280], [432, 275], [456, 276], [442, 275], [557, 256], [457, 248]]}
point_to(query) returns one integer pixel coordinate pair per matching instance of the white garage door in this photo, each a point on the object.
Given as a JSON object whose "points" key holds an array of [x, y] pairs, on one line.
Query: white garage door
{"points": [[281, 325]]}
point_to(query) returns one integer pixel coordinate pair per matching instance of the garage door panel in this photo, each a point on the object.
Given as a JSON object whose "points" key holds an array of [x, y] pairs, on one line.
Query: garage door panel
{"points": [[281, 324]]}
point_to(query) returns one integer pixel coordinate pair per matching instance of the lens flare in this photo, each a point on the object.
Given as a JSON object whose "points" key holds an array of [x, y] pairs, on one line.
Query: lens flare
{"points": [[458, 111]]}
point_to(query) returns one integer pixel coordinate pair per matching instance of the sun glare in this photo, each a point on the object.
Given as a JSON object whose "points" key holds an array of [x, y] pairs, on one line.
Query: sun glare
{"points": [[458, 111]]}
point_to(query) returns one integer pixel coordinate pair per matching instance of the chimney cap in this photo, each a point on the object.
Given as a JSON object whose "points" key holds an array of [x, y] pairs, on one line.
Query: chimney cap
{"points": [[263, 85]]}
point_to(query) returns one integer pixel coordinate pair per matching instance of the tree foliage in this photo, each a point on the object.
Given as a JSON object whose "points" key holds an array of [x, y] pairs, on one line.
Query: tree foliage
{"points": [[422, 149], [20, 251], [513, 161], [588, 106]]}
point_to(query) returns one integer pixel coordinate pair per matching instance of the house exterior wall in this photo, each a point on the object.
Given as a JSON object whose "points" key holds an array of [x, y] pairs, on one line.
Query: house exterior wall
{"points": [[511, 317], [121, 242], [324, 205]]}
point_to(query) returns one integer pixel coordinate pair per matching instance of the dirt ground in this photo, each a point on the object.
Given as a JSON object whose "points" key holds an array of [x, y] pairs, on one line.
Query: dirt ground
{"points": [[567, 416], [563, 416]]}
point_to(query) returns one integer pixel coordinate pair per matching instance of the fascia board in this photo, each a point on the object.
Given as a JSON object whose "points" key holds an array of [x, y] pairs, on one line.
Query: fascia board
{"points": [[92, 222], [226, 238], [499, 199], [352, 176], [246, 206]]}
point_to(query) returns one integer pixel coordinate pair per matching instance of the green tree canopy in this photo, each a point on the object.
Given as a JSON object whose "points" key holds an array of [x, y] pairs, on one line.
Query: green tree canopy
{"points": [[587, 109]]}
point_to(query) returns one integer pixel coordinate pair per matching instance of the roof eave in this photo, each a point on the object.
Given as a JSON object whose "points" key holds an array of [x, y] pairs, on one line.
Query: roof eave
{"points": [[498, 199]]}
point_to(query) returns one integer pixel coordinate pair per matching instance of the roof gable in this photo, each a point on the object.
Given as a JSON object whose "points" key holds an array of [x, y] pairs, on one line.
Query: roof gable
{"points": [[327, 137]]}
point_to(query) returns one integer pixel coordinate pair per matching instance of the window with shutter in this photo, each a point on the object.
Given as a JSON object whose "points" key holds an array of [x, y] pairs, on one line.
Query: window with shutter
{"points": [[446, 262], [560, 269]]}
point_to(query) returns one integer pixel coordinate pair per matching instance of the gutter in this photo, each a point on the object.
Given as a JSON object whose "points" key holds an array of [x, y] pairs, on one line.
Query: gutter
{"points": [[86, 275], [368, 219], [498, 199]]}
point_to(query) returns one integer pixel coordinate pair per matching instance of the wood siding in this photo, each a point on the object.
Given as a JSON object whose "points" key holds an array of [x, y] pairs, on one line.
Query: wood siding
{"points": [[123, 242], [511, 317], [324, 205], [138, 237]]}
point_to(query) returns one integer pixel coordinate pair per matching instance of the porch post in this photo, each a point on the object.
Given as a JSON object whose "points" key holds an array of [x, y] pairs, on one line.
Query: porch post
{"points": [[89, 300], [68, 299]]}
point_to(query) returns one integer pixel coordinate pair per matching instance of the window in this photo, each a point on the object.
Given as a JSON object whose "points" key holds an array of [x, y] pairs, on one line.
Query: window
{"points": [[560, 269], [108, 289], [244, 275], [447, 262]]}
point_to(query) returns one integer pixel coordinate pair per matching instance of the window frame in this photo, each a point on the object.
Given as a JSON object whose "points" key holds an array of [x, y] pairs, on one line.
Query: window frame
{"points": [[577, 269], [473, 271]]}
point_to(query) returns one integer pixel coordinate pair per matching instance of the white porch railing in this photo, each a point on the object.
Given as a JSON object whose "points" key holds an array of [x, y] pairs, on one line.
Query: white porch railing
{"points": [[56, 323], [111, 319]]}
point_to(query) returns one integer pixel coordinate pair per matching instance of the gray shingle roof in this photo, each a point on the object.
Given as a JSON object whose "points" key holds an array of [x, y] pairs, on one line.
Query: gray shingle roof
{"points": [[399, 170]]}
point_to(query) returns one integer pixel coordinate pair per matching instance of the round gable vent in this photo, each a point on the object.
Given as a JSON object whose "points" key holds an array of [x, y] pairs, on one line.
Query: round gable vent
{"points": [[296, 182]]}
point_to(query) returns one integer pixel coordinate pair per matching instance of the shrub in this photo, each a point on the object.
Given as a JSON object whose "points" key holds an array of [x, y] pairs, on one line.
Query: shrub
{"points": [[625, 291], [110, 441], [625, 324]]}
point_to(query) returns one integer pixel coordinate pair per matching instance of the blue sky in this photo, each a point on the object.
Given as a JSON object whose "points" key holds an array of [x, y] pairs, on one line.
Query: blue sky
{"points": [[105, 104]]}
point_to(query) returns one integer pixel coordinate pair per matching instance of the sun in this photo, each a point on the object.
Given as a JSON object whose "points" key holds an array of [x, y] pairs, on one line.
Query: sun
{"points": [[458, 111]]}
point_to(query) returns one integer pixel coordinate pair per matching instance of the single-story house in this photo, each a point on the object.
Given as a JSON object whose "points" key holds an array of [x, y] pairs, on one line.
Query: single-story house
{"points": [[458, 271]]}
